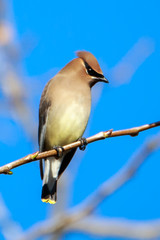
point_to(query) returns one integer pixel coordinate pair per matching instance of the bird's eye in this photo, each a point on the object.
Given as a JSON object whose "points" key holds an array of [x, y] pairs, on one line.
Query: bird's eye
{"points": [[92, 72]]}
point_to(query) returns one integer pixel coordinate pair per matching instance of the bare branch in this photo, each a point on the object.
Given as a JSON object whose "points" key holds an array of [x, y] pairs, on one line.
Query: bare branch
{"points": [[115, 227], [99, 136], [76, 218], [124, 70], [8, 227], [119, 179], [97, 226]]}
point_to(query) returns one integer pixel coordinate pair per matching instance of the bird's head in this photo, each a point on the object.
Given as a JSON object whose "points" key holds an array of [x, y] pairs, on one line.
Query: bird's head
{"points": [[91, 67]]}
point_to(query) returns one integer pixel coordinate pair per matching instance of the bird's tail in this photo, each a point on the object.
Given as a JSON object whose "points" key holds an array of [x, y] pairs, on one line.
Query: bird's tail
{"points": [[49, 188]]}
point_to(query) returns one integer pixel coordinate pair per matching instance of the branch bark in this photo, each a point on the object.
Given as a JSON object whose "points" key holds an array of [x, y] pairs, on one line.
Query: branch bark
{"points": [[6, 169]]}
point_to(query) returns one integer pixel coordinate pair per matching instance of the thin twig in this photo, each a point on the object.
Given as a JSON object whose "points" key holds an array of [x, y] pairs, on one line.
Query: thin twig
{"points": [[99, 136], [75, 218]]}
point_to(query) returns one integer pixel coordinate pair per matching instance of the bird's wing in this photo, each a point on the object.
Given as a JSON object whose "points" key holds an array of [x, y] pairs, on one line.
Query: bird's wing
{"points": [[66, 160], [41, 168], [43, 112]]}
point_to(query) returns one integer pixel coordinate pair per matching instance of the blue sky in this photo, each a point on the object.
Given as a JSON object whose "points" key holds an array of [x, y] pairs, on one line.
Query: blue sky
{"points": [[50, 32]]}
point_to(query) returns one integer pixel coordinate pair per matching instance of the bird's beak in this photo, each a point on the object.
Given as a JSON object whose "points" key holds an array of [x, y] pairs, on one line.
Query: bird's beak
{"points": [[103, 79], [99, 78]]}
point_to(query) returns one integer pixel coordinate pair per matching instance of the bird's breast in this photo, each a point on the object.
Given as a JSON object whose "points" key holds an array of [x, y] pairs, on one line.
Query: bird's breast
{"points": [[67, 120]]}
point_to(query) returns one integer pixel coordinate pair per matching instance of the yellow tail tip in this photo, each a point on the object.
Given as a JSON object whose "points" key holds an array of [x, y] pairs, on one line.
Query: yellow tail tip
{"points": [[48, 201]]}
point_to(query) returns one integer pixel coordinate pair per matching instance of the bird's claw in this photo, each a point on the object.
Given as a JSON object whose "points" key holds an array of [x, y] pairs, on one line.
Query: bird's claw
{"points": [[83, 143], [59, 150]]}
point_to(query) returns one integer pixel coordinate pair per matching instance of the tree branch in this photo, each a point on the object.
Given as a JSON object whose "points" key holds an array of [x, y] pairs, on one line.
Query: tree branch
{"points": [[117, 227], [99, 136], [75, 219], [97, 226], [118, 179]]}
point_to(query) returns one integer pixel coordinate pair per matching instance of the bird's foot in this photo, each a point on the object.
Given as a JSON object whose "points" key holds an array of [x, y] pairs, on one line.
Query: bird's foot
{"points": [[83, 143], [59, 150]]}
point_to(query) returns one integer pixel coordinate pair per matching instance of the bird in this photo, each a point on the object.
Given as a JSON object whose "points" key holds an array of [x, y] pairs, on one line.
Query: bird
{"points": [[64, 111]]}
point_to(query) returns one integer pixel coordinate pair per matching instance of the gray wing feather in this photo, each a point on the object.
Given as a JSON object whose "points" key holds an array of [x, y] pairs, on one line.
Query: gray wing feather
{"points": [[43, 112]]}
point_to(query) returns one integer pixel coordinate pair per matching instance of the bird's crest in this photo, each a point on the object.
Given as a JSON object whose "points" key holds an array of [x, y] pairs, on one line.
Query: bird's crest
{"points": [[90, 59]]}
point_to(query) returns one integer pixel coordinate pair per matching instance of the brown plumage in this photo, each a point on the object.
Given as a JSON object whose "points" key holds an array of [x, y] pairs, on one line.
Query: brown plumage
{"points": [[90, 59], [63, 115]]}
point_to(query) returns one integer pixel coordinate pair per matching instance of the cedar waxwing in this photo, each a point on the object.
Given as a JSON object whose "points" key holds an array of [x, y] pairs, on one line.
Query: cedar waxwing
{"points": [[63, 115]]}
